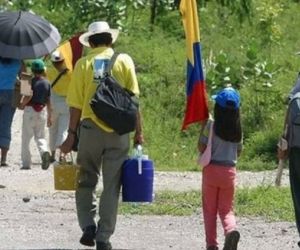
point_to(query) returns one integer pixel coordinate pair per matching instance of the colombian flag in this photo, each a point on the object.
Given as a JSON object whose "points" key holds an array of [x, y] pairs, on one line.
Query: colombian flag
{"points": [[72, 50], [196, 106]]}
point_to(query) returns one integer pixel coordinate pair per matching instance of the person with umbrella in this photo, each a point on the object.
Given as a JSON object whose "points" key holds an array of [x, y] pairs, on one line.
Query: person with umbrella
{"points": [[24, 35], [9, 69]]}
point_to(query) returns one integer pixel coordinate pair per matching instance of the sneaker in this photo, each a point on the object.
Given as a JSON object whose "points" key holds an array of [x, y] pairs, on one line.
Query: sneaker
{"points": [[212, 248], [88, 236], [231, 240], [103, 245], [46, 160]]}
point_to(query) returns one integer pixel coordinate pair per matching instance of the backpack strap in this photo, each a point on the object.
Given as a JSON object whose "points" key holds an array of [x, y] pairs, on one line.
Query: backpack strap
{"points": [[58, 77], [111, 63]]}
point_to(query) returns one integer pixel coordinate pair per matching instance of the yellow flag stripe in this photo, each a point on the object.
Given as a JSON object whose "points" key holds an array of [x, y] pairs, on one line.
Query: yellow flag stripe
{"points": [[66, 50], [188, 9]]}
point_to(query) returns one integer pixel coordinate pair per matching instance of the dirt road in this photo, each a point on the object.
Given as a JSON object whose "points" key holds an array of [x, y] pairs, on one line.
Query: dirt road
{"points": [[35, 216]]}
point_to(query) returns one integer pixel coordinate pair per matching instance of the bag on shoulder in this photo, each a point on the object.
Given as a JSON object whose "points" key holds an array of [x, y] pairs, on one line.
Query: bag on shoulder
{"points": [[205, 158], [294, 121], [113, 104]]}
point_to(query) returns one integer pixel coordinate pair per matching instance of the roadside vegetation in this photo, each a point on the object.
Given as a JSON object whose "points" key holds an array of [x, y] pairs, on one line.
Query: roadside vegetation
{"points": [[250, 44], [269, 203]]}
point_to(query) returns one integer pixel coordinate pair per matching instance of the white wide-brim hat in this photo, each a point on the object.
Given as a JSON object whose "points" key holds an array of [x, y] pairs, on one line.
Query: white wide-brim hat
{"points": [[98, 28]]}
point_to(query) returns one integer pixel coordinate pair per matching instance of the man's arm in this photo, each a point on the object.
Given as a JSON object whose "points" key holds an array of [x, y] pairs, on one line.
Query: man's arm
{"points": [[75, 115], [138, 137]]}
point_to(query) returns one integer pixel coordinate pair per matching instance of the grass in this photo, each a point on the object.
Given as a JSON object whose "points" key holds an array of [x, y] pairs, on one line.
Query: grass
{"points": [[273, 204], [166, 203]]}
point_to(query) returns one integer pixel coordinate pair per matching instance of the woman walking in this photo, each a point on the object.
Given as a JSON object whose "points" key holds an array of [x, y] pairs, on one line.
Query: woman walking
{"points": [[9, 69]]}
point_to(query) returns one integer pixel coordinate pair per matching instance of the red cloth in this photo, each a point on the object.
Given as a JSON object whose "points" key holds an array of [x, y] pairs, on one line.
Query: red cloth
{"points": [[37, 107]]}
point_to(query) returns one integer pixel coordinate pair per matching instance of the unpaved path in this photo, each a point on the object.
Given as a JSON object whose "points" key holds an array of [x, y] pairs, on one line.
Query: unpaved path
{"points": [[35, 216]]}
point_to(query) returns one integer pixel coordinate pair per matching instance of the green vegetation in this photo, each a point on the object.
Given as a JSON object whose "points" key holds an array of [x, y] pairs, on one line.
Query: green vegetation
{"points": [[272, 204], [250, 44]]}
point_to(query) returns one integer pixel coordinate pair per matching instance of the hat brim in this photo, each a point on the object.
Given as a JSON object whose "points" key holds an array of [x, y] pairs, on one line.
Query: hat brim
{"points": [[54, 61], [85, 36]]}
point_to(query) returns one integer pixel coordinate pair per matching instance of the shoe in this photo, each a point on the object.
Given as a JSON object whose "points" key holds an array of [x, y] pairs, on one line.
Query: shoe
{"points": [[46, 160], [52, 159], [88, 236], [212, 248], [231, 240], [25, 168], [298, 243], [103, 245], [4, 164]]}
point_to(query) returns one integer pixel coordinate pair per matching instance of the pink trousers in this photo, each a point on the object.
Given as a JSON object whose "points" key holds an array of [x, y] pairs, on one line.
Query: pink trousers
{"points": [[218, 186]]}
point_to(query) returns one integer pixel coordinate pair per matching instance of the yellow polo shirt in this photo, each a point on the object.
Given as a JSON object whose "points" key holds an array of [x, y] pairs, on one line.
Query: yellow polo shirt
{"points": [[61, 87], [83, 84]]}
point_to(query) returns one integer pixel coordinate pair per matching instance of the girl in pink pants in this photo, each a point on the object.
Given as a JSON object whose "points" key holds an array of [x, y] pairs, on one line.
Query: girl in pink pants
{"points": [[218, 177]]}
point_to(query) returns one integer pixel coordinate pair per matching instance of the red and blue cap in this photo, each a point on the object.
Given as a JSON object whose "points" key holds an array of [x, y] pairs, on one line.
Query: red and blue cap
{"points": [[228, 98]]}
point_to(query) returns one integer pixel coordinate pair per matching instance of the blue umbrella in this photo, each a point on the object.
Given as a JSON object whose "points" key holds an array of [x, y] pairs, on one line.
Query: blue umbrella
{"points": [[25, 35]]}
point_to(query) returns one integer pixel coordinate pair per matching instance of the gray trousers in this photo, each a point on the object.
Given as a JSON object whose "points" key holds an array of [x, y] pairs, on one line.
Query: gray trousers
{"points": [[99, 150], [294, 168]]}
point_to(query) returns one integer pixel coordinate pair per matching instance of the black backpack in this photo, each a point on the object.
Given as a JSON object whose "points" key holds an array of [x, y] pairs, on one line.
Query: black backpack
{"points": [[113, 104], [294, 121]]}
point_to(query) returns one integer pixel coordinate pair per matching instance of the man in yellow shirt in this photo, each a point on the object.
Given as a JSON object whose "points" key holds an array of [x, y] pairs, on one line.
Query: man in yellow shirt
{"points": [[60, 77], [100, 148]]}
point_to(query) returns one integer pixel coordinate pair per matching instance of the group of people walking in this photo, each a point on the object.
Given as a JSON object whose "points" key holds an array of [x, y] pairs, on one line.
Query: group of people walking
{"points": [[44, 107], [60, 99]]}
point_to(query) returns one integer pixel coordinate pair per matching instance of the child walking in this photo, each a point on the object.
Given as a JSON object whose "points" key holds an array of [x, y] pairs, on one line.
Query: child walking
{"points": [[37, 113], [218, 177]]}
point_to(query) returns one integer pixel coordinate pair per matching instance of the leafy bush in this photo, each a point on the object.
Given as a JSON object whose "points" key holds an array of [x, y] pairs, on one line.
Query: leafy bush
{"points": [[260, 149], [257, 57]]}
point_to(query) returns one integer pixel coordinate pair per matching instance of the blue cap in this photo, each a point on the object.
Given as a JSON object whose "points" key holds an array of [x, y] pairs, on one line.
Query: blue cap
{"points": [[228, 98]]}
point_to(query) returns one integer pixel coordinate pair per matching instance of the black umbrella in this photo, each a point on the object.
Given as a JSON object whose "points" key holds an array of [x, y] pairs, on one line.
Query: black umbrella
{"points": [[25, 35]]}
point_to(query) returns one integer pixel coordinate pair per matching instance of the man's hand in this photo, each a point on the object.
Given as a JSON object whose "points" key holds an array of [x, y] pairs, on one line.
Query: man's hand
{"points": [[282, 154], [138, 138], [49, 121], [282, 149], [67, 145]]}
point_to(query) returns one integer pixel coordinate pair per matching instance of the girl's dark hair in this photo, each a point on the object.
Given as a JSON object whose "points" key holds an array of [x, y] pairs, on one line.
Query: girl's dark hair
{"points": [[227, 123], [5, 60], [100, 39]]}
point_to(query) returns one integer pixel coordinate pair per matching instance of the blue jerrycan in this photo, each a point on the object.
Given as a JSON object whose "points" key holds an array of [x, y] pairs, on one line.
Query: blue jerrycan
{"points": [[137, 178]]}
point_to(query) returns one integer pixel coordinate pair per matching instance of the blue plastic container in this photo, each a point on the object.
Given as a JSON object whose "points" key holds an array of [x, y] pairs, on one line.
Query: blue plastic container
{"points": [[137, 180]]}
